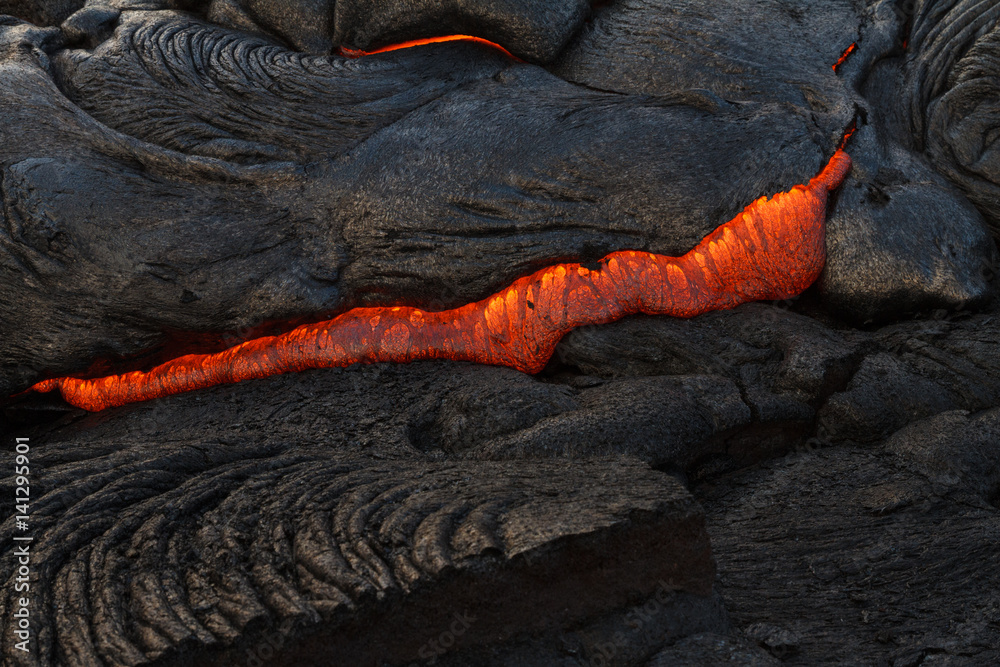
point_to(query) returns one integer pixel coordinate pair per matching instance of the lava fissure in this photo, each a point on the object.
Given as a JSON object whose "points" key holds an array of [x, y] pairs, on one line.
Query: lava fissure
{"points": [[774, 249], [845, 55], [348, 52]]}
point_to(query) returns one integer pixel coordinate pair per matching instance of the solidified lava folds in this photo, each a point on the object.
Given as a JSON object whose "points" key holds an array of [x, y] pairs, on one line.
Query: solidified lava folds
{"points": [[774, 249]]}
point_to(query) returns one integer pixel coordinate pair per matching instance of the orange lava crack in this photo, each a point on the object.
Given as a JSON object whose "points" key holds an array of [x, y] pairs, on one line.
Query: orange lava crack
{"points": [[845, 55], [358, 53], [773, 250]]}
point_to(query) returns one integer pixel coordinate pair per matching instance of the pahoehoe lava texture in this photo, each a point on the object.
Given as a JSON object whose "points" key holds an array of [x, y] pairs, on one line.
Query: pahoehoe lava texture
{"points": [[535, 30], [884, 439], [445, 206], [253, 184], [178, 553], [959, 100], [773, 250], [246, 99], [180, 175]]}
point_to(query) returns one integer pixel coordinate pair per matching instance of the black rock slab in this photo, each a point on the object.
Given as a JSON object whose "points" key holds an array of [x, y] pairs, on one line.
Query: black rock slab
{"points": [[182, 554], [41, 12], [957, 451], [535, 30], [916, 370], [856, 557], [668, 421], [713, 393], [755, 344], [846, 383], [445, 411], [497, 176], [622, 638], [778, 52]]}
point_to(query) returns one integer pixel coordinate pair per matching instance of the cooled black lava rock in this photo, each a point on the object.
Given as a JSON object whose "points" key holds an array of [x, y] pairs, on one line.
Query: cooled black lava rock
{"points": [[41, 12], [432, 176], [184, 170], [383, 182]]}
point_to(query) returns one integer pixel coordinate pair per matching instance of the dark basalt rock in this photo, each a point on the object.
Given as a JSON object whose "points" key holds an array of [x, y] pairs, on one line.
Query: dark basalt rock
{"points": [[862, 559], [500, 167], [90, 26], [183, 555], [535, 30], [960, 119], [484, 205], [307, 26], [179, 175], [803, 486], [40, 12], [897, 223], [781, 53], [956, 450], [717, 392], [712, 649]]}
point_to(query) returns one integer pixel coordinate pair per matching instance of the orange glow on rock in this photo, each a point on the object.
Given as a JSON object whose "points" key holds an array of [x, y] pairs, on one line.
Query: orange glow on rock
{"points": [[774, 249], [845, 55], [847, 135], [358, 53]]}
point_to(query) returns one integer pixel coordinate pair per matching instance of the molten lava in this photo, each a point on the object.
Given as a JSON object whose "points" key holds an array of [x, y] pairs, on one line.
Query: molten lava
{"points": [[845, 55], [851, 131], [774, 249], [358, 53]]}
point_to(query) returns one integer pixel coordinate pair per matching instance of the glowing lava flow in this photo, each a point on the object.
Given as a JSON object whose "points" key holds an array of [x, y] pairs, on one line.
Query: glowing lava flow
{"points": [[845, 55], [358, 53], [774, 249]]}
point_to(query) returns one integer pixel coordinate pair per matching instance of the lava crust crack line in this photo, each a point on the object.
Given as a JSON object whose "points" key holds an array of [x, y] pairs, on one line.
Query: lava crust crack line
{"points": [[774, 249], [348, 52]]}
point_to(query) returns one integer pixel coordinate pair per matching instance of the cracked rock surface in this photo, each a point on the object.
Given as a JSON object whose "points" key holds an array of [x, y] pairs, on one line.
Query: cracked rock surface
{"points": [[808, 482], [847, 483], [195, 180]]}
